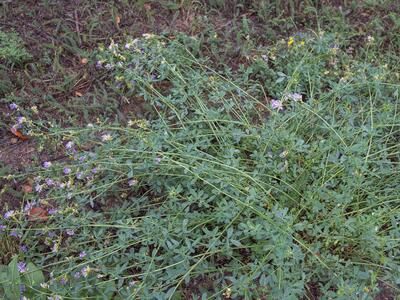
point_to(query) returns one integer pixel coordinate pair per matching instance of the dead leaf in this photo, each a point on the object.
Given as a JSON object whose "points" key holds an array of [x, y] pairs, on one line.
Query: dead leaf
{"points": [[84, 61], [38, 214], [26, 188], [18, 134], [78, 94], [147, 6], [117, 20]]}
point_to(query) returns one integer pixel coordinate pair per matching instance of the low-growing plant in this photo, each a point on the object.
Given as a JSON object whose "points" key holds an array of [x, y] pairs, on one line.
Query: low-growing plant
{"points": [[12, 50], [223, 192]]}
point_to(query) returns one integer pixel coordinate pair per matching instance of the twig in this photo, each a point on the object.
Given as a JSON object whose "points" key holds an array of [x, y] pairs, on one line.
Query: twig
{"points": [[77, 28]]}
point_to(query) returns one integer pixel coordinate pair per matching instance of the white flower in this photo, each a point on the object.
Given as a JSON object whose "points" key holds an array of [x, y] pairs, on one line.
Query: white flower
{"points": [[44, 285], [370, 39], [132, 182], [106, 137]]}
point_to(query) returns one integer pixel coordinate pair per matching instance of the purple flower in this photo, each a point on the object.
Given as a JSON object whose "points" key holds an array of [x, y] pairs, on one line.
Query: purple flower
{"points": [[79, 175], [82, 254], [67, 170], [77, 275], [109, 66], [94, 170], [2, 227], [55, 297], [63, 280], [13, 106], [99, 64], [47, 164], [22, 288], [21, 120], [9, 214], [23, 248], [51, 234], [82, 158], [38, 188], [21, 267], [295, 96], [276, 104], [52, 211], [69, 145], [29, 206], [49, 181], [85, 271], [157, 160], [132, 182], [70, 232], [15, 234]]}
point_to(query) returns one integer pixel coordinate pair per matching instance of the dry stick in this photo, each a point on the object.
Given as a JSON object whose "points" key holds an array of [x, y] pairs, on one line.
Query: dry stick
{"points": [[77, 28]]}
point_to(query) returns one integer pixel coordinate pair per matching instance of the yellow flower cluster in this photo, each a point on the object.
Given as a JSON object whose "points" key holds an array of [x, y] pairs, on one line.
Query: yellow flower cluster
{"points": [[291, 42]]}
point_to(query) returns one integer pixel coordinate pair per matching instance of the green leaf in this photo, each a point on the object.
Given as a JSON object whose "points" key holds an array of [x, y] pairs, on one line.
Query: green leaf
{"points": [[3, 275], [11, 288], [34, 276]]}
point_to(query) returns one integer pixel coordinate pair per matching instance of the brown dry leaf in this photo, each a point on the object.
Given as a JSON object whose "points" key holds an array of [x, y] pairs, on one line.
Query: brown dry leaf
{"points": [[38, 214], [26, 188], [117, 20], [78, 94], [84, 61], [18, 134], [147, 6]]}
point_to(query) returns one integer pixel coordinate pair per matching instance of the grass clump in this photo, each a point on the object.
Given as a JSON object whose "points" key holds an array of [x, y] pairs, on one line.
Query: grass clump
{"points": [[222, 191]]}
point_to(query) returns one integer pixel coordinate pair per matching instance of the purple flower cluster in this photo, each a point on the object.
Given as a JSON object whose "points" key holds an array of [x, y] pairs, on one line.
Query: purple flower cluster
{"points": [[67, 170], [13, 106], [49, 182], [21, 267], [9, 214], [28, 206], [295, 96], [52, 211], [38, 188], [276, 104], [47, 164], [69, 145]]}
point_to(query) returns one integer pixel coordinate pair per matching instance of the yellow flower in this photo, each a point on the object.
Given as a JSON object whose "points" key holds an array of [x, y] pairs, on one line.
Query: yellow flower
{"points": [[302, 43], [290, 41]]}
